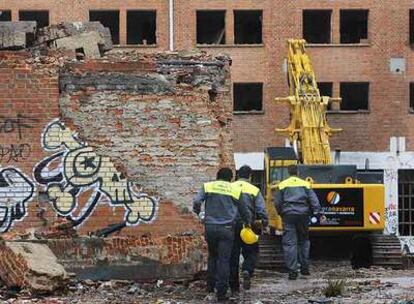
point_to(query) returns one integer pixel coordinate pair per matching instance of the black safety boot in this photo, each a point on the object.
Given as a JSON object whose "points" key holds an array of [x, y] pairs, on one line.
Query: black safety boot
{"points": [[246, 280], [293, 275], [305, 272]]}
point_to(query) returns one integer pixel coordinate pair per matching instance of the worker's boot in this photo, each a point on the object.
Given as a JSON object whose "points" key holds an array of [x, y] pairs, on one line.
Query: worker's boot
{"points": [[293, 275], [222, 297], [305, 272], [246, 280]]}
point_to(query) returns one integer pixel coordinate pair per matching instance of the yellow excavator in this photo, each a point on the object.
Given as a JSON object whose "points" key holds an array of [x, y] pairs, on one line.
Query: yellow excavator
{"points": [[353, 205]]}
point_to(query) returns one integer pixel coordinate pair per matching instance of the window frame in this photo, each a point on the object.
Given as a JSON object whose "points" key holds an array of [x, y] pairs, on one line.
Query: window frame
{"points": [[107, 11], [155, 30], [224, 27], [340, 25], [261, 26], [330, 25], [250, 112], [367, 110]]}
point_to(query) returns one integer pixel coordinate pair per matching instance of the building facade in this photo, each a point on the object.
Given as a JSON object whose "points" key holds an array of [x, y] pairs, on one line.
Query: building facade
{"points": [[361, 51]]}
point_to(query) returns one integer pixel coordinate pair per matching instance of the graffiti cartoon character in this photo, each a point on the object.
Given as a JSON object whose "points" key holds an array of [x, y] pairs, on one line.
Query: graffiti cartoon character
{"points": [[15, 191], [81, 169]]}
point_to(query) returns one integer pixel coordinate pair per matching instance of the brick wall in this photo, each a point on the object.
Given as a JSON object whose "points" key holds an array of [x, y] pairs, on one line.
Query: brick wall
{"points": [[389, 93], [123, 141], [388, 37]]}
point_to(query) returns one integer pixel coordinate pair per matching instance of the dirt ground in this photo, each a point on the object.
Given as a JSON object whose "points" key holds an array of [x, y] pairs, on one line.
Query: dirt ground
{"points": [[371, 286]]}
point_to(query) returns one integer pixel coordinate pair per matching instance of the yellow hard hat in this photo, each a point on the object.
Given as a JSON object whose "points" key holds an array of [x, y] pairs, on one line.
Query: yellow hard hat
{"points": [[248, 236]]}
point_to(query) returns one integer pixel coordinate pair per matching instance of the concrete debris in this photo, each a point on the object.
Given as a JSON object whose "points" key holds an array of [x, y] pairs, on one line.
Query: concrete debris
{"points": [[31, 266], [83, 39], [268, 288], [16, 35]]}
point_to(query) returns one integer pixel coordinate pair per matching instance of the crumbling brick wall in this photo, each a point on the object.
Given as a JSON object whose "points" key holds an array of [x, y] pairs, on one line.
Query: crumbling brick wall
{"points": [[127, 140]]}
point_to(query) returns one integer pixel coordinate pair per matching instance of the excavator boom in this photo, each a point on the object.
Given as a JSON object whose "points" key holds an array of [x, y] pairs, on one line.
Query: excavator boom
{"points": [[308, 129]]}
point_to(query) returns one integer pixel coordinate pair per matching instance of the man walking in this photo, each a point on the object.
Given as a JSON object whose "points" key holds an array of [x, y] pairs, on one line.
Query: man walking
{"points": [[256, 205], [295, 201], [223, 202]]}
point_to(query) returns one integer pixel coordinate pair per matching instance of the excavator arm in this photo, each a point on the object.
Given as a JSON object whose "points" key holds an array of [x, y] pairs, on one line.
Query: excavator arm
{"points": [[308, 129]]}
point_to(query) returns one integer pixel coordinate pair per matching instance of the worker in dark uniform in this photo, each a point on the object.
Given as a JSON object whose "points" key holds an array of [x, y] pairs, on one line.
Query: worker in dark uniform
{"points": [[295, 202], [256, 205], [223, 203]]}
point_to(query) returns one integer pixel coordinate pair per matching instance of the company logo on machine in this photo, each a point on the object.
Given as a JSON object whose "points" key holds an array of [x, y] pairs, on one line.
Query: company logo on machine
{"points": [[374, 218], [333, 198]]}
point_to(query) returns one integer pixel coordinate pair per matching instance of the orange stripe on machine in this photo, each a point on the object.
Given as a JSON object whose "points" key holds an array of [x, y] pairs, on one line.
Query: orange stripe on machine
{"points": [[374, 217]]}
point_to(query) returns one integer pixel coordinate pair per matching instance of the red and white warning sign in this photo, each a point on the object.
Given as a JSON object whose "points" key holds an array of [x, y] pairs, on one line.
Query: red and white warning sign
{"points": [[374, 218]]}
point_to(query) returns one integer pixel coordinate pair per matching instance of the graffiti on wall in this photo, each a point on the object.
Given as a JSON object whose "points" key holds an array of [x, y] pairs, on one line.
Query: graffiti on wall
{"points": [[391, 219], [391, 198], [75, 169], [15, 191]]}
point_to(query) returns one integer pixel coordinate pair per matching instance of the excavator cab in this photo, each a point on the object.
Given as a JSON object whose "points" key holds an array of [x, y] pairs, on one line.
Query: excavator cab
{"points": [[277, 159]]}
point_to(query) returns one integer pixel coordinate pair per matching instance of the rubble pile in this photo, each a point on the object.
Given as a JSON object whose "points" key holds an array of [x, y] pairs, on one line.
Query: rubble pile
{"points": [[29, 265], [82, 39], [367, 286]]}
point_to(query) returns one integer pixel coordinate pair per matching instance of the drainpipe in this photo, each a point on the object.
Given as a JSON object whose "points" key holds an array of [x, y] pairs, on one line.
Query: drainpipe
{"points": [[337, 158], [171, 23]]}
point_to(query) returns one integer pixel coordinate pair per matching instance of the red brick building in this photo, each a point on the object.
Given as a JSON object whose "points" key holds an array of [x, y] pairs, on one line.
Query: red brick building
{"points": [[361, 51]]}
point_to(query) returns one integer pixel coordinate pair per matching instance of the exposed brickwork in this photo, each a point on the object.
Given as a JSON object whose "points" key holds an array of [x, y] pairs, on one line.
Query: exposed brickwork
{"points": [[389, 93], [282, 19], [161, 254], [107, 155], [32, 266]]}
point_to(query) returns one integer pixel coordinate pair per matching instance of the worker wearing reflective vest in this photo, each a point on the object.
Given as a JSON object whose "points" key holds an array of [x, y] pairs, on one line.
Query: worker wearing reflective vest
{"points": [[256, 205], [223, 202], [295, 201]]}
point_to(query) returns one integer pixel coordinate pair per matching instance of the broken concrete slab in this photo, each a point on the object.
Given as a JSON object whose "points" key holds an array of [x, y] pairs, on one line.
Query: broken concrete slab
{"points": [[67, 29], [19, 26], [12, 40], [16, 35], [86, 43], [32, 266]]}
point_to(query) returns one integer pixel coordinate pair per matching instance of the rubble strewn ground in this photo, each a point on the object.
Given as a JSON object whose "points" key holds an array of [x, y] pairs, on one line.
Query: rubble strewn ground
{"points": [[373, 286]]}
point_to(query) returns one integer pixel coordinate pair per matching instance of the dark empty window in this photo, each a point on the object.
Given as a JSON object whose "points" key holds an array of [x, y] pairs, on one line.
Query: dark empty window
{"points": [[5, 15], [317, 26], [109, 19], [247, 27], [141, 27], [325, 88], [248, 96], [211, 27], [41, 17], [354, 96], [412, 96], [354, 26]]}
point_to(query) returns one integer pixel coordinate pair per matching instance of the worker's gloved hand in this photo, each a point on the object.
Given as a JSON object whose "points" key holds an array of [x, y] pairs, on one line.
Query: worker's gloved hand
{"points": [[196, 210], [248, 225], [266, 230]]}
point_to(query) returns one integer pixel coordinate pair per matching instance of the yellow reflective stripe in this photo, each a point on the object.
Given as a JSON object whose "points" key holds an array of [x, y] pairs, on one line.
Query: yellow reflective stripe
{"points": [[247, 188], [224, 188], [294, 182]]}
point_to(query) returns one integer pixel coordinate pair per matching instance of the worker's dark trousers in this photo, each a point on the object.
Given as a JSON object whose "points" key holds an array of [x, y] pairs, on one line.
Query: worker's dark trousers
{"points": [[235, 258], [296, 242], [250, 253], [219, 241]]}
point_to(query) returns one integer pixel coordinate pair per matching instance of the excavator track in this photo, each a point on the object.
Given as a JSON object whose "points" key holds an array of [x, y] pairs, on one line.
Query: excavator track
{"points": [[386, 251], [270, 253]]}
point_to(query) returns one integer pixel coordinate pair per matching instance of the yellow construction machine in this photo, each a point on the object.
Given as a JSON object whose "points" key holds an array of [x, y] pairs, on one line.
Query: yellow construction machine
{"points": [[354, 210]]}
